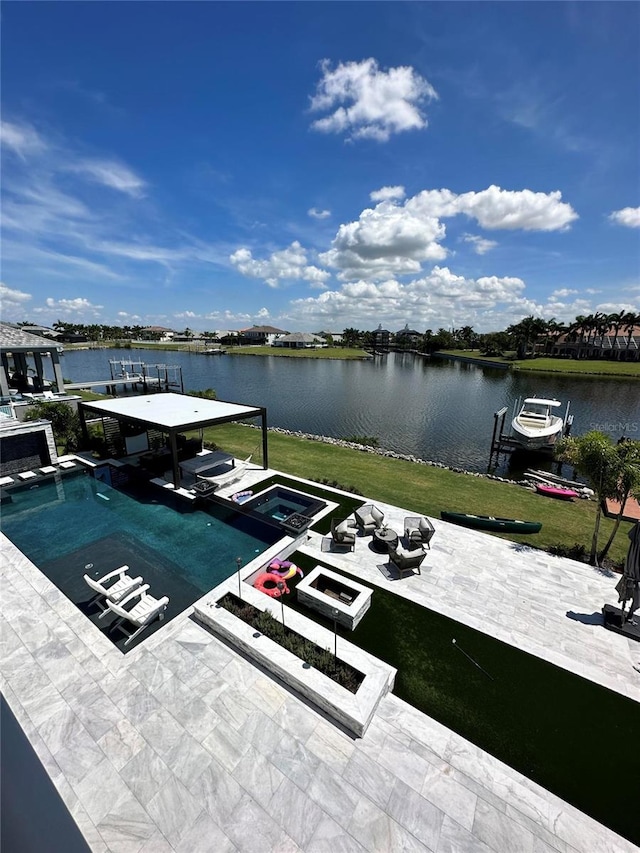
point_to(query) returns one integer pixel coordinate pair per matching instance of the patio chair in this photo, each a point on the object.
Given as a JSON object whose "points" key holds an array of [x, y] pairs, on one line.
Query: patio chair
{"points": [[343, 532], [141, 614], [368, 518], [112, 587], [418, 530], [406, 560]]}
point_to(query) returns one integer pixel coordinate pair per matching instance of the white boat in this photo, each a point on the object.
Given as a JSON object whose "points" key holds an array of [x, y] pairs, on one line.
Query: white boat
{"points": [[536, 427]]}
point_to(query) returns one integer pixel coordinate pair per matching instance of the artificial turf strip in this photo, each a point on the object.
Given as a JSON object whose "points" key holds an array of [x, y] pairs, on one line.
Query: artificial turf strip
{"points": [[569, 735]]}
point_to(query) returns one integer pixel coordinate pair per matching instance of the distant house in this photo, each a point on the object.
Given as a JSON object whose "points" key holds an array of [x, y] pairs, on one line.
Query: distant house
{"points": [[157, 333], [300, 340], [262, 334], [381, 337], [42, 331], [625, 346], [408, 337], [336, 337]]}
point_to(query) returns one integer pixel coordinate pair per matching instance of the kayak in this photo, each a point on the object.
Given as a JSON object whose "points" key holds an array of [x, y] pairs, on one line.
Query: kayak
{"points": [[556, 492], [489, 522]]}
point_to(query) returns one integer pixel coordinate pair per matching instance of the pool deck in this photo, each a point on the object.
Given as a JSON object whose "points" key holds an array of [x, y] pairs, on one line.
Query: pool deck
{"points": [[183, 745]]}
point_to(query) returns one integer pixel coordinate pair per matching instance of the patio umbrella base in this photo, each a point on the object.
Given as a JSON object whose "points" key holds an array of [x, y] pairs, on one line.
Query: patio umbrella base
{"points": [[613, 621]]}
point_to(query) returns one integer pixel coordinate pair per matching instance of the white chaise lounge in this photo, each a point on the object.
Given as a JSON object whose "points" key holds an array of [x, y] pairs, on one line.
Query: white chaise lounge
{"points": [[141, 614], [112, 587]]}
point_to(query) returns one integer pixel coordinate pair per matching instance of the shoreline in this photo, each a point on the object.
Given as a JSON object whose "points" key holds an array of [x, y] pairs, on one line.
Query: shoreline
{"points": [[388, 454], [523, 367]]}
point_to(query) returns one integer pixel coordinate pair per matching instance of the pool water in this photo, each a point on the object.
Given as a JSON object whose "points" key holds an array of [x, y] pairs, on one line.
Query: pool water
{"points": [[59, 518]]}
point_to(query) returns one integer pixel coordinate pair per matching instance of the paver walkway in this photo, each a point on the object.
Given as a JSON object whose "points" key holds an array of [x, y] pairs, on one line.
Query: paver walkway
{"points": [[182, 745]]}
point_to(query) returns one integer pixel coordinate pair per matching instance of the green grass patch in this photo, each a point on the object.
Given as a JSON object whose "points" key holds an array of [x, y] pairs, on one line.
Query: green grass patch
{"points": [[564, 732], [426, 490], [546, 364], [285, 352]]}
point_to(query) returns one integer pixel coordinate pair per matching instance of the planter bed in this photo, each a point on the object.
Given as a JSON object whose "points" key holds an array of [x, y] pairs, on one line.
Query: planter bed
{"points": [[353, 711]]}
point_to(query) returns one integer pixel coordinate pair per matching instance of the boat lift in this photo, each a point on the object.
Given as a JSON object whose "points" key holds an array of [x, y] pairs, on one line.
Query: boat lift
{"points": [[501, 442], [138, 374]]}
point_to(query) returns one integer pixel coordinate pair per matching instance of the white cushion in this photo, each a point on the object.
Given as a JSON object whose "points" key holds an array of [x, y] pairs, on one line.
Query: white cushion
{"points": [[27, 475], [6, 481], [48, 469]]}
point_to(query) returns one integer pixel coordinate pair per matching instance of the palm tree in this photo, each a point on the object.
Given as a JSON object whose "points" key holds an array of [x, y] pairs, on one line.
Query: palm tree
{"points": [[628, 484], [351, 337], [595, 457], [631, 321], [617, 321]]}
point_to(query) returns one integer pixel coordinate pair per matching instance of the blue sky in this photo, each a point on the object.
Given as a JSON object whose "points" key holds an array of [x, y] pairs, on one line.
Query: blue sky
{"points": [[319, 165]]}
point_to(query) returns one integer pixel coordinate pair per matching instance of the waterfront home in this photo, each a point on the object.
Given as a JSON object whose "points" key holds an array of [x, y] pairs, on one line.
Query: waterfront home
{"points": [[620, 345], [300, 340], [262, 334]]}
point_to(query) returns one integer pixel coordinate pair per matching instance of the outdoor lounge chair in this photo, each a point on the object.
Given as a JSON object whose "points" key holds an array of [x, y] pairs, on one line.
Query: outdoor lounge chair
{"points": [[228, 476], [112, 587], [343, 532], [141, 614], [418, 530], [369, 518], [405, 560]]}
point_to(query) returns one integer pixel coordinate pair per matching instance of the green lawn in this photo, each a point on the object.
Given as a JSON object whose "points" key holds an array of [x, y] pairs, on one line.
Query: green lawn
{"points": [[575, 367], [424, 489], [285, 352], [550, 725]]}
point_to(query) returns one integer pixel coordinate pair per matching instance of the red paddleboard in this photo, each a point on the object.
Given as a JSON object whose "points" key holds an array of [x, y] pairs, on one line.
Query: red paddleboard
{"points": [[557, 492]]}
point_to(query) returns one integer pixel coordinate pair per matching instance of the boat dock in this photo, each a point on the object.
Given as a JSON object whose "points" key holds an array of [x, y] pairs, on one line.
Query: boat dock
{"points": [[134, 381], [137, 374]]}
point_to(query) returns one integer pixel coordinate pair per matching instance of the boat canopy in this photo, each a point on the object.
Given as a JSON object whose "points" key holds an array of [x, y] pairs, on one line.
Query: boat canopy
{"points": [[541, 402]]}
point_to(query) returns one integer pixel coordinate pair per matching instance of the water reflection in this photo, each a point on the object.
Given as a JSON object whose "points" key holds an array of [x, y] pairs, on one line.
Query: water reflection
{"points": [[436, 410]]}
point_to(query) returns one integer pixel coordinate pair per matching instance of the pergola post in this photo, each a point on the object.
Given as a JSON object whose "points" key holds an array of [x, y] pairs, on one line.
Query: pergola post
{"points": [[57, 370], [83, 426], [265, 448], [173, 445]]}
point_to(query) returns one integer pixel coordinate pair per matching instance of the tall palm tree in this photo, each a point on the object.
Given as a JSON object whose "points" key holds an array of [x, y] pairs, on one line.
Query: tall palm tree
{"points": [[595, 456], [617, 321], [631, 322]]}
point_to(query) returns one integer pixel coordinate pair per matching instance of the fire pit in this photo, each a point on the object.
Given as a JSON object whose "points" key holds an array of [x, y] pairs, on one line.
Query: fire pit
{"points": [[328, 592]]}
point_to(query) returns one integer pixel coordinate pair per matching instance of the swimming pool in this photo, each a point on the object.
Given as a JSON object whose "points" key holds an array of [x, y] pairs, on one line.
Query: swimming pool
{"points": [[79, 524]]}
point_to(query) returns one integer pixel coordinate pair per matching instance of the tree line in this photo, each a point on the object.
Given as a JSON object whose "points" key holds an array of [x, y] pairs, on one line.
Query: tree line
{"points": [[532, 335]]}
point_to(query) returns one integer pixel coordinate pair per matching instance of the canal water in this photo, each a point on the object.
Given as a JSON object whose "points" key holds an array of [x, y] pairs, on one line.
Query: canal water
{"points": [[436, 410]]}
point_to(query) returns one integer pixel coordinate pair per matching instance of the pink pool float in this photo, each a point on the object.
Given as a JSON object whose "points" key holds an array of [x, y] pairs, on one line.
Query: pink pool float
{"points": [[556, 492], [284, 569]]}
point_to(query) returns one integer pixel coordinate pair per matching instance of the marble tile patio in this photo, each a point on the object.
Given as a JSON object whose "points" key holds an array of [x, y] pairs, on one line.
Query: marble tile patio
{"points": [[182, 745]]}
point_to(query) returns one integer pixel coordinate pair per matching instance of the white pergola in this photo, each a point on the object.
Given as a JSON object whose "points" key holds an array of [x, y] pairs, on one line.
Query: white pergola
{"points": [[173, 414]]}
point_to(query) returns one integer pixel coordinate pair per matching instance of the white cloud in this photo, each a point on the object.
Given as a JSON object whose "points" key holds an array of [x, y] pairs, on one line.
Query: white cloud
{"points": [[426, 302], [111, 174], [314, 213], [263, 314], [387, 240], [387, 194], [12, 301], [79, 305], [396, 238], [480, 245], [287, 264], [563, 293], [495, 208], [628, 216], [22, 139], [367, 102]]}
